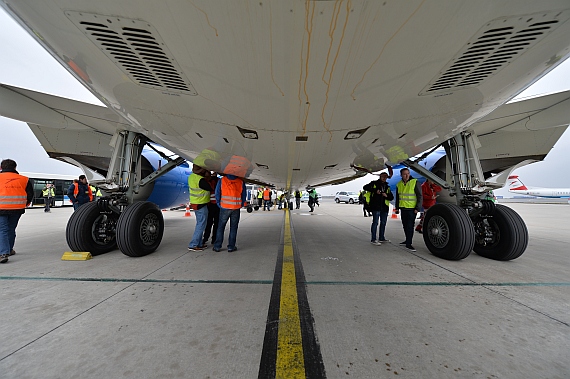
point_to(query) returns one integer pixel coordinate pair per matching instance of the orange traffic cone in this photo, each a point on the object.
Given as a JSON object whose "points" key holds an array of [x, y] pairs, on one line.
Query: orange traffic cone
{"points": [[394, 215], [187, 213]]}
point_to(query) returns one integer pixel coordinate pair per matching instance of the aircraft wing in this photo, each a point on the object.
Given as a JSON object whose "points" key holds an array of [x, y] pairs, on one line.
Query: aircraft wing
{"points": [[64, 127], [305, 93], [522, 130]]}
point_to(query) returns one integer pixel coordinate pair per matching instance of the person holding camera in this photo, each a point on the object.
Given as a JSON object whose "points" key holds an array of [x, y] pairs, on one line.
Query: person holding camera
{"points": [[48, 193], [380, 197]]}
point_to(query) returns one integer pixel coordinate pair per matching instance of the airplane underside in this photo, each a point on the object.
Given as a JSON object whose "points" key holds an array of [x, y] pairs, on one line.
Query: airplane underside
{"points": [[303, 94]]}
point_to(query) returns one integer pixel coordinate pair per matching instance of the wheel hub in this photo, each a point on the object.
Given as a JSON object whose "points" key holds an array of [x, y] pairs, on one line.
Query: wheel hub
{"points": [[149, 229], [438, 231]]}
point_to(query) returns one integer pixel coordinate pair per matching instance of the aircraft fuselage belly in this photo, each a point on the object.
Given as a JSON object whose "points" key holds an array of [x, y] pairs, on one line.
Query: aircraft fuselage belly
{"points": [[294, 87]]}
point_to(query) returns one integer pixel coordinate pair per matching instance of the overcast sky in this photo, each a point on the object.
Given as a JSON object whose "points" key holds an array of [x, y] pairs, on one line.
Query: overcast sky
{"points": [[24, 63]]}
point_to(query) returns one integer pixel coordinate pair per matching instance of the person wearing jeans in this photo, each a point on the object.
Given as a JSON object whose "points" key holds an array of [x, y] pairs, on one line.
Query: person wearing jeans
{"points": [[379, 204], [16, 192], [199, 198], [230, 197], [408, 202]]}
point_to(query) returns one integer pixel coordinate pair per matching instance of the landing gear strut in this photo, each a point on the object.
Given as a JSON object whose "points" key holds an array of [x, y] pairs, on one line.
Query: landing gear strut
{"points": [[452, 231], [122, 218]]}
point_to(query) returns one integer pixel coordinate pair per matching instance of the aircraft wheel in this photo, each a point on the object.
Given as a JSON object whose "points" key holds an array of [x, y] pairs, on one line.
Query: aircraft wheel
{"points": [[89, 229], [448, 232], [139, 229], [249, 209], [508, 235]]}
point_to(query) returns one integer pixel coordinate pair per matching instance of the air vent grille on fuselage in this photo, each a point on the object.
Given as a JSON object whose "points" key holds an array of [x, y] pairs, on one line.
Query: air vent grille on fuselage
{"points": [[493, 47], [137, 48]]}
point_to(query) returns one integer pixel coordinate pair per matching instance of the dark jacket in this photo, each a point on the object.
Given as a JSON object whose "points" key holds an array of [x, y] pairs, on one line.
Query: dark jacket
{"points": [[377, 201], [29, 194], [82, 194]]}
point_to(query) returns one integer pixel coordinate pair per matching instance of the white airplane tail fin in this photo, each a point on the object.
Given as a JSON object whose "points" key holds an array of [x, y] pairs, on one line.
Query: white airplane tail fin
{"points": [[515, 184]]}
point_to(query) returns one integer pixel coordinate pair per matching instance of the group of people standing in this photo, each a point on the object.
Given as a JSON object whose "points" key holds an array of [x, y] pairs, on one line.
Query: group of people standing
{"points": [[215, 201], [410, 198]]}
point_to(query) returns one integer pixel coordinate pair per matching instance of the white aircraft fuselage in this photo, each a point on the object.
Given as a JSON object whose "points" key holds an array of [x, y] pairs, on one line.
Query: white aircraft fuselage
{"points": [[304, 90], [544, 192]]}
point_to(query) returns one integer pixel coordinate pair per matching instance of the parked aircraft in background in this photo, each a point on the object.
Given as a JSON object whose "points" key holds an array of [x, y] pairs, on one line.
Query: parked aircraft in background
{"points": [[297, 94], [517, 186]]}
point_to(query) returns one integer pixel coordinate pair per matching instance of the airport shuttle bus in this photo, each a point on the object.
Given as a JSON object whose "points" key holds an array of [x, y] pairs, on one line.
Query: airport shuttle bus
{"points": [[61, 184]]}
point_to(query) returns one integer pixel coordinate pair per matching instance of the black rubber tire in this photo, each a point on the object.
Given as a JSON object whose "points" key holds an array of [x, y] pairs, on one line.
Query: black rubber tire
{"points": [[256, 207], [448, 232], [350, 201], [140, 229], [249, 209], [80, 233], [337, 200], [512, 238]]}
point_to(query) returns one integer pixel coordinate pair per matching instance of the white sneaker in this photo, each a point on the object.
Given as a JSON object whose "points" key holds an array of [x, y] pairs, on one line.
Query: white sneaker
{"points": [[376, 242]]}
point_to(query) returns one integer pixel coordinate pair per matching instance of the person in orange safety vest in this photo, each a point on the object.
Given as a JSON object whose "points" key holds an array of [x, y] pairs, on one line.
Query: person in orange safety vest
{"points": [[267, 198], [230, 196], [16, 192], [79, 193]]}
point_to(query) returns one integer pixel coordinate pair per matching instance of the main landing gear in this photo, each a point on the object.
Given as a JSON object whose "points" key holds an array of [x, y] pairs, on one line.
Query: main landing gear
{"points": [[121, 218], [452, 231]]}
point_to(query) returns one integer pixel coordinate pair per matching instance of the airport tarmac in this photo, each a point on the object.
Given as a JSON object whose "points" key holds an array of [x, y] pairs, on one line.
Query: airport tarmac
{"points": [[309, 298]]}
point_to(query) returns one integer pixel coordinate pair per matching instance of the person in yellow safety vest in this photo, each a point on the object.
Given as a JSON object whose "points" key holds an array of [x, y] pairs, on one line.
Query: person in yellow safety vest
{"points": [[93, 191], [379, 204], [199, 198], [230, 195], [16, 191], [364, 199], [260, 197], [48, 193], [313, 199], [408, 203]]}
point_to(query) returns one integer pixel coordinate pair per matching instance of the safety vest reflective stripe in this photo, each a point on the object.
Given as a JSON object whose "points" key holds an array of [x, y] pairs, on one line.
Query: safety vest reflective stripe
{"points": [[12, 199], [47, 192], [406, 194], [230, 193], [230, 200], [197, 194], [13, 191]]}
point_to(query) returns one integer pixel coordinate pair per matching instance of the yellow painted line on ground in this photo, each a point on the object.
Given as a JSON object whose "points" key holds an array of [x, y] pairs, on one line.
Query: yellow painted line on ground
{"points": [[290, 362]]}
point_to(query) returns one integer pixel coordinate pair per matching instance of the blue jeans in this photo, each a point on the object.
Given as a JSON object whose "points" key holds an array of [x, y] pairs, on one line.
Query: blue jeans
{"points": [[383, 216], [267, 203], [225, 215], [8, 224], [201, 220], [408, 217]]}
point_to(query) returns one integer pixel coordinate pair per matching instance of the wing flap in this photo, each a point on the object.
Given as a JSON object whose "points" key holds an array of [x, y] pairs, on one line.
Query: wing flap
{"points": [[523, 130]]}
